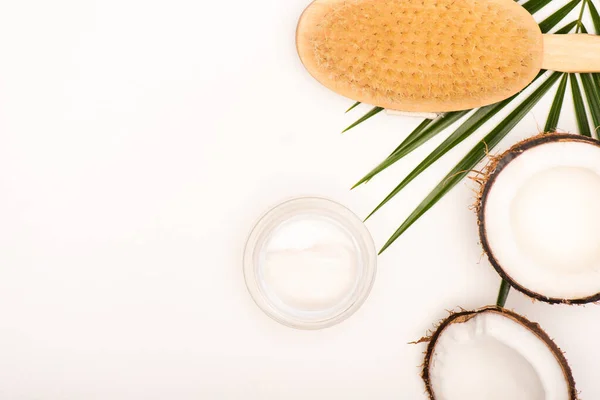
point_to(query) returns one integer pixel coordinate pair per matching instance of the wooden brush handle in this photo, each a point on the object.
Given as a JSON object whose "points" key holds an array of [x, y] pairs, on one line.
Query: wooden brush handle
{"points": [[572, 53]]}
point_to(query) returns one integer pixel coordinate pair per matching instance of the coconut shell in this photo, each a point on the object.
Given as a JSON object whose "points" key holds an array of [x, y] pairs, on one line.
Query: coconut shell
{"points": [[464, 316], [492, 171]]}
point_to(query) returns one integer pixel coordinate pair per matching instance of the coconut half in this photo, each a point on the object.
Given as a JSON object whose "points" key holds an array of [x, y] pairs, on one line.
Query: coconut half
{"points": [[539, 217], [495, 354]]}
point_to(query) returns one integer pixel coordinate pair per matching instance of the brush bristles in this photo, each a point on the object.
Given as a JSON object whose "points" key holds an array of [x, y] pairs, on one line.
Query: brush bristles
{"points": [[436, 52]]}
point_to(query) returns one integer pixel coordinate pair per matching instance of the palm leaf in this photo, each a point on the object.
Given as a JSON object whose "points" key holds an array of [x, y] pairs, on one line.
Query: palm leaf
{"points": [[580, 112], [567, 28], [556, 108], [480, 117], [595, 77], [415, 133], [414, 140], [583, 28], [503, 293], [554, 114], [372, 112], [553, 20], [534, 6], [596, 80], [473, 157], [353, 106], [595, 16], [592, 93]]}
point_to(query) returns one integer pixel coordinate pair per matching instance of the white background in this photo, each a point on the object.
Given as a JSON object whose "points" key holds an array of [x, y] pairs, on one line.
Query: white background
{"points": [[139, 141]]}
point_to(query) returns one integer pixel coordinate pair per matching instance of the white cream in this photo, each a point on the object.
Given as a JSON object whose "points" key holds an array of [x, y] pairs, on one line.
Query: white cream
{"points": [[310, 263]]}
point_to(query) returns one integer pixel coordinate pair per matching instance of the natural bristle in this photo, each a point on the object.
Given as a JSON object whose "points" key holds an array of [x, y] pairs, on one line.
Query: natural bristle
{"points": [[433, 54]]}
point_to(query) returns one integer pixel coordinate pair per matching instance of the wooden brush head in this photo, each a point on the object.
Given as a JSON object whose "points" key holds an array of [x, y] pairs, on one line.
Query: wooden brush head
{"points": [[421, 55]]}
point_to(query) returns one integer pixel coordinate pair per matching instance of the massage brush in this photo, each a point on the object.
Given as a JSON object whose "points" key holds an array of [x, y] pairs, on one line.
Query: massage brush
{"points": [[433, 55]]}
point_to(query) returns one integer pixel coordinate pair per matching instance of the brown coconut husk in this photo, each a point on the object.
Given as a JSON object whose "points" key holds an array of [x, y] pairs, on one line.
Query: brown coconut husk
{"points": [[486, 181], [464, 316]]}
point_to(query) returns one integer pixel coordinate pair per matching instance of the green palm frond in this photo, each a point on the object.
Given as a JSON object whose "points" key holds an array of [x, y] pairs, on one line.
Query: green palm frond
{"points": [[480, 117], [580, 112], [353, 106], [503, 294], [553, 20], [592, 95], [555, 110], [567, 28], [595, 15], [414, 134], [374, 111], [414, 140], [534, 6], [586, 104]]}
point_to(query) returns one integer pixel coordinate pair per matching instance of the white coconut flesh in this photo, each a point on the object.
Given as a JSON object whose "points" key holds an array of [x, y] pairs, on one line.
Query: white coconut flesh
{"points": [[542, 219], [493, 357]]}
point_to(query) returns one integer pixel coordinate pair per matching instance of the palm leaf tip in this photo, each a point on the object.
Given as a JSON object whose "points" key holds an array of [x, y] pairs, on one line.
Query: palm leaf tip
{"points": [[371, 113], [357, 184], [352, 107]]}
